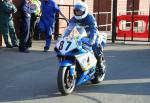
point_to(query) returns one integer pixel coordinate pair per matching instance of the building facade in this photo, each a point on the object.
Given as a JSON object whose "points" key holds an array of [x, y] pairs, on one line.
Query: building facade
{"points": [[102, 10], [140, 6]]}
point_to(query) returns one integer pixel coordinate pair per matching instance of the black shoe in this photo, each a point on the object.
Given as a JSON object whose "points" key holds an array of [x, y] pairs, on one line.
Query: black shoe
{"points": [[15, 45], [24, 50], [9, 46], [29, 45], [46, 49]]}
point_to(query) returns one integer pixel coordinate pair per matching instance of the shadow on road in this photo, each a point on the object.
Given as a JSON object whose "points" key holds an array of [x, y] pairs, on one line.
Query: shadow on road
{"points": [[128, 72], [124, 88], [128, 64], [88, 98]]}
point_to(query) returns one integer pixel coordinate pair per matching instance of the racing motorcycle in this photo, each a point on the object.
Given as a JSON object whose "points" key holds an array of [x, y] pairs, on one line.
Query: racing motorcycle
{"points": [[77, 63]]}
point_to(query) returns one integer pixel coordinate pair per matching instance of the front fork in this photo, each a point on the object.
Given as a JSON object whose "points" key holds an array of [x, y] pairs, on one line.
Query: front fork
{"points": [[68, 63], [72, 71]]}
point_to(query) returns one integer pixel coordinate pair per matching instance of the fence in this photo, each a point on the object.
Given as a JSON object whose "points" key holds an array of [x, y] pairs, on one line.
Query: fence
{"points": [[137, 29], [133, 26], [102, 18], [105, 23]]}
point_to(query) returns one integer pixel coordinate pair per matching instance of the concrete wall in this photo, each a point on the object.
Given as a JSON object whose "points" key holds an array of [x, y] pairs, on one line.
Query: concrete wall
{"points": [[122, 7], [144, 6], [105, 5]]}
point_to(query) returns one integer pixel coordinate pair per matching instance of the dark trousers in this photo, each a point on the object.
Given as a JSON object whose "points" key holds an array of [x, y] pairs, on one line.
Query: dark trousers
{"points": [[8, 29], [24, 37], [34, 31]]}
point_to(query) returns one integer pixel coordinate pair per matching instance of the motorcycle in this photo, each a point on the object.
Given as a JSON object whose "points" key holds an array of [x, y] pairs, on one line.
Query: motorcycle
{"points": [[77, 63]]}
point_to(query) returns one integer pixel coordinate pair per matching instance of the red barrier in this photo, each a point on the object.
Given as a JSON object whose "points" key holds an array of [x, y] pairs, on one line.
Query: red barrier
{"points": [[140, 26]]}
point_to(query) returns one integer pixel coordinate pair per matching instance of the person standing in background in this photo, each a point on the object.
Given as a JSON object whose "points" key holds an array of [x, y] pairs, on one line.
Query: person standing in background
{"points": [[35, 16], [7, 8], [27, 8], [49, 8]]}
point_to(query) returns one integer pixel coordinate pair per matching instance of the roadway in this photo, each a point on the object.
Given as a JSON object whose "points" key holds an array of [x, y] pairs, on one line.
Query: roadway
{"points": [[32, 77]]}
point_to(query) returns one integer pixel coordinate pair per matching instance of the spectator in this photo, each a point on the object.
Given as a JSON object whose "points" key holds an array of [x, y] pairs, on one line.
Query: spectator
{"points": [[34, 21], [7, 25], [26, 10], [49, 9]]}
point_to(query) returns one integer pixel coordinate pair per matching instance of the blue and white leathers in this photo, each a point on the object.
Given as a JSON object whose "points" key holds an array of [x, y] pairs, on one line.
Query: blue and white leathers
{"points": [[87, 25]]}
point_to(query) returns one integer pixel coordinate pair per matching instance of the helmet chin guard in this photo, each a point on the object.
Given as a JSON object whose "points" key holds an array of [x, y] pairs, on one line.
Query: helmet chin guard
{"points": [[81, 6]]}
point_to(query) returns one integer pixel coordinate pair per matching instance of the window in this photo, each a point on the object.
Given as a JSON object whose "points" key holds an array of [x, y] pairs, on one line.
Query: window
{"points": [[125, 25], [139, 26]]}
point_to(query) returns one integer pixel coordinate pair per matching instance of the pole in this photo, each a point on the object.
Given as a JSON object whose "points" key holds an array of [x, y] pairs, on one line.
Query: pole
{"points": [[98, 14], [132, 18], [56, 33], [114, 20]]}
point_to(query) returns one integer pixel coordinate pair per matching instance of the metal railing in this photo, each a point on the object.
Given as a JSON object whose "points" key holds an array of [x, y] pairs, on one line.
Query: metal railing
{"points": [[107, 24], [132, 12], [69, 9]]}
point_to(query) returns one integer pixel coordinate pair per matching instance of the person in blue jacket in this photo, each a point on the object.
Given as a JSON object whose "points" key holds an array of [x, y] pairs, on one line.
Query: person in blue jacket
{"points": [[85, 23], [49, 9]]}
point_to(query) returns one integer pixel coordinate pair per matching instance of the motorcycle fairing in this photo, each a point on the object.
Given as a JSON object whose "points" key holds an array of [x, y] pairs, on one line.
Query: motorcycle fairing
{"points": [[86, 60]]}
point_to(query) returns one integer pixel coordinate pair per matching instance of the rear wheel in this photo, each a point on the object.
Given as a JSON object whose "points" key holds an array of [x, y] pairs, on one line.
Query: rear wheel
{"points": [[100, 71], [65, 82]]}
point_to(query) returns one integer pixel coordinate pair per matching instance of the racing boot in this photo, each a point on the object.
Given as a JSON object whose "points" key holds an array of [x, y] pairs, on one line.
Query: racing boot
{"points": [[100, 70], [100, 67]]}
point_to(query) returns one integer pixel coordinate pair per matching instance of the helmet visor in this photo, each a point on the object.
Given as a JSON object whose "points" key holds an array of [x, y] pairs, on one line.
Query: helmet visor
{"points": [[78, 12]]}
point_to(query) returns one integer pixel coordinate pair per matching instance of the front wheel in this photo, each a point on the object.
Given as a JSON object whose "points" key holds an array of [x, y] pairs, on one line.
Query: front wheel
{"points": [[100, 71], [65, 82]]}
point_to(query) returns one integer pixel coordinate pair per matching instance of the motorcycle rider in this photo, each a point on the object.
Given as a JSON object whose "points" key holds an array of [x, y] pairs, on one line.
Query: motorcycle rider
{"points": [[85, 22]]}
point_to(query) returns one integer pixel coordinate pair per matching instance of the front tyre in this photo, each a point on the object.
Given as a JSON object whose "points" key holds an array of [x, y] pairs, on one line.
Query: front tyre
{"points": [[65, 82]]}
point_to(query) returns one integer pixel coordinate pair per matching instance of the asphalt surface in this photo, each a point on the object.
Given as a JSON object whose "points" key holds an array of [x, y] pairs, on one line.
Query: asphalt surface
{"points": [[32, 77]]}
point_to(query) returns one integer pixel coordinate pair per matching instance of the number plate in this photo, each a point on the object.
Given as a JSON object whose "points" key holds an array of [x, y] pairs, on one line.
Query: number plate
{"points": [[65, 45]]}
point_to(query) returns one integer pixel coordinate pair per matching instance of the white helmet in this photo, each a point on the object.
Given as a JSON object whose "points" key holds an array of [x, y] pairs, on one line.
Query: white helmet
{"points": [[80, 10]]}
